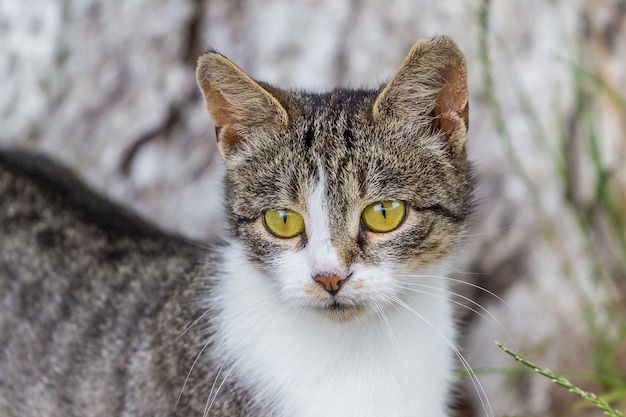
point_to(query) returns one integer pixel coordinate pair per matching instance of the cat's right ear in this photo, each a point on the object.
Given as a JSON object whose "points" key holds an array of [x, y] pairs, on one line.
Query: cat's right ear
{"points": [[430, 87], [237, 103]]}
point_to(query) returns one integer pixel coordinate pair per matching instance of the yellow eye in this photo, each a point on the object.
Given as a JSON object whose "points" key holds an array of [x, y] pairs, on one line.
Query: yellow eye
{"points": [[283, 223], [384, 216]]}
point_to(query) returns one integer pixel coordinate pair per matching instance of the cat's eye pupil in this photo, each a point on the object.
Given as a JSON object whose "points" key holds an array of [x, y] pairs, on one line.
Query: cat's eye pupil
{"points": [[283, 223], [384, 216], [383, 211]]}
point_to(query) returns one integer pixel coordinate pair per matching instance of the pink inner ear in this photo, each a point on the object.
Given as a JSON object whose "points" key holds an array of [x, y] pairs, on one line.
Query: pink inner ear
{"points": [[453, 96], [220, 109], [451, 102], [224, 118]]}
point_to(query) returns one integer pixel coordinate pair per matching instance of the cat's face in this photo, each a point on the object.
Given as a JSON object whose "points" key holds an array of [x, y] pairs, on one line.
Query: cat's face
{"points": [[340, 199]]}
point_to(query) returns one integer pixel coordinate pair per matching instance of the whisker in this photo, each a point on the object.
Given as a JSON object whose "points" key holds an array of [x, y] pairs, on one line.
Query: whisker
{"points": [[487, 316], [196, 321], [204, 347], [211, 398], [482, 395], [471, 284], [383, 316], [180, 394], [210, 309], [447, 297], [197, 244], [267, 319]]}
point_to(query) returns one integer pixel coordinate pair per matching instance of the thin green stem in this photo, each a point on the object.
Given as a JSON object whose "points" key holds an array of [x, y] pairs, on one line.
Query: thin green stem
{"points": [[559, 380]]}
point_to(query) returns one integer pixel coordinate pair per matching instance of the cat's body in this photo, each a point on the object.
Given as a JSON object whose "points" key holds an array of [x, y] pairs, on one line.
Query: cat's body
{"points": [[93, 304], [339, 309]]}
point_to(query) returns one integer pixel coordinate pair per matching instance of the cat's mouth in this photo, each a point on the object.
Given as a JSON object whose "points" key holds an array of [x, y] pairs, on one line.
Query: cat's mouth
{"points": [[339, 311], [338, 307]]}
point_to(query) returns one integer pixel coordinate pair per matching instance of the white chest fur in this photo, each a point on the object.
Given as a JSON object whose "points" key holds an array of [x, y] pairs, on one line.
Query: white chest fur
{"points": [[396, 364]]}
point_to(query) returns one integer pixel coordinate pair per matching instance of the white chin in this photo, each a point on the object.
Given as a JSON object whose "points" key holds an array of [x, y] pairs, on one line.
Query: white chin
{"points": [[338, 311]]}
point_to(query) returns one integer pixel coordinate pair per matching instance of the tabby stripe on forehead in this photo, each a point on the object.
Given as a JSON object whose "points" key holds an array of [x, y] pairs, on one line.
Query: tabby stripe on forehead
{"points": [[308, 137], [347, 133]]}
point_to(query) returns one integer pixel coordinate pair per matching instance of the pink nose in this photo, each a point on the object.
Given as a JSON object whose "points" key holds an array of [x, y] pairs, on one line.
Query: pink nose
{"points": [[331, 283]]}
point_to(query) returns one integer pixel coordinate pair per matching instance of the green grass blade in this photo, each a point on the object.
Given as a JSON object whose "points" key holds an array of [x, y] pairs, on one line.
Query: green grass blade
{"points": [[559, 380]]}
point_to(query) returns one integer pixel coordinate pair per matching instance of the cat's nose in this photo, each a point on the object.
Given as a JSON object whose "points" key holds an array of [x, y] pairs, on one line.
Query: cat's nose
{"points": [[331, 283]]}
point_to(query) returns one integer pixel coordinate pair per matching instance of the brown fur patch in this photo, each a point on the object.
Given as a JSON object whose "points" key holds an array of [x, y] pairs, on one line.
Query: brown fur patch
{"points": [[315, 291], [357, 284]]}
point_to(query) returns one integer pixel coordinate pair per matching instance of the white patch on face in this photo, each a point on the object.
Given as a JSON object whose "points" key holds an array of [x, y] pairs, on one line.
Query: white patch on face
{"points": [[297, 267], [319, 252]]}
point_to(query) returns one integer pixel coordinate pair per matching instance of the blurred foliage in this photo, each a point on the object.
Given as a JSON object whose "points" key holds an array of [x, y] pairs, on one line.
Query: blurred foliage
{"points": [[600, 217]]}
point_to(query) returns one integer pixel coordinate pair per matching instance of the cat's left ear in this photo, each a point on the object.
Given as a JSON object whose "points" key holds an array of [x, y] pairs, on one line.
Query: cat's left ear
{"points": [[431, 85], [238, 104]]}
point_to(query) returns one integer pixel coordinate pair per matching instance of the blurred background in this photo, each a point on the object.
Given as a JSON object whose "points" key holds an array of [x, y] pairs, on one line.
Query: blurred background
{"points": [[108, 88]]}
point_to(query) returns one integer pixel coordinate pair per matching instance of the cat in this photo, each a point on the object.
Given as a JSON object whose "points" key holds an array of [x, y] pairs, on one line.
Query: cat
{"points": [[328, 297]]}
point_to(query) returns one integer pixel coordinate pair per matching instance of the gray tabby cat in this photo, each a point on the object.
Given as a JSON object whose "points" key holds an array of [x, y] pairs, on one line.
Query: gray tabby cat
{"points": [[328, 298]]}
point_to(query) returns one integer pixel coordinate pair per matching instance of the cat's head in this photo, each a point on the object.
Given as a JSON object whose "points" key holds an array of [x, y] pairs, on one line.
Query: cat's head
{"points": [[338, 197]]}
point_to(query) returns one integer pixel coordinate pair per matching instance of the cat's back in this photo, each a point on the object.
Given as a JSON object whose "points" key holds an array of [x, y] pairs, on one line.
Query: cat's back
{"points": [[57, 236], [93, 302]]}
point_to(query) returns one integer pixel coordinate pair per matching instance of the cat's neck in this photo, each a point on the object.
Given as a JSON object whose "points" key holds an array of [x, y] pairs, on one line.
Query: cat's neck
{"points": [[393, 363]]}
